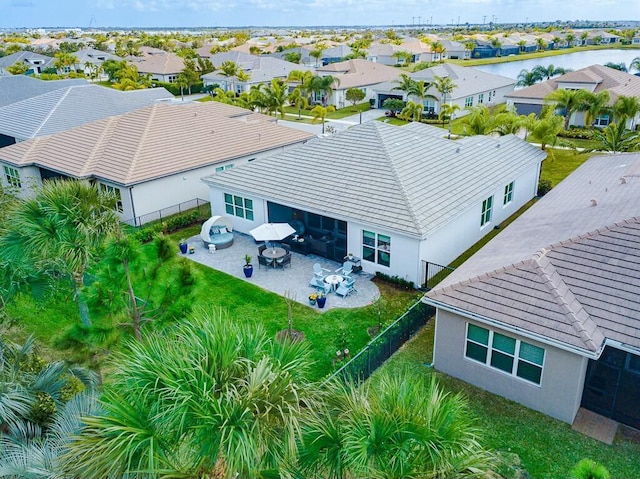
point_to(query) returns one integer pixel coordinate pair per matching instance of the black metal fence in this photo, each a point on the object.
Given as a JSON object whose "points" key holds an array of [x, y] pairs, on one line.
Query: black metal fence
{"points": [[434, 273], [196, 204], [363, 364]]}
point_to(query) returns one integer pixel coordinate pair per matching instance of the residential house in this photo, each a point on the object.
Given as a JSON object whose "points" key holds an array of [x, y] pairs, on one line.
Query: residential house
{"points": [[398, 197], [454, 51], [471, 88], [356, 73], [158, 64], [153, 157], [595, 78], [548, 312], [305, 58], [90, 61], [14, 88], [387, 53], [260, 69], [68, 107], [35, 62], [601, 37]]}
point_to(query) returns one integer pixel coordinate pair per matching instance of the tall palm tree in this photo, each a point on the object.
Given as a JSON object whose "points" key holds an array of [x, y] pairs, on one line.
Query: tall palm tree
{"points": [[323, 85], [569, 100], [411, 111], [635, 64], [445, 86], [546, 129], [404, 83], [397, 425], [298, 100], [229, 69], [60, 231], [320, 113], [549, 71], [276, 97], [317, 52], [528, 78], [229, 407], [597, 104]]}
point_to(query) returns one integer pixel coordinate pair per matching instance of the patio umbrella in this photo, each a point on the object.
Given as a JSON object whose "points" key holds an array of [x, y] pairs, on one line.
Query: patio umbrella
{"points": [[272, 231]]}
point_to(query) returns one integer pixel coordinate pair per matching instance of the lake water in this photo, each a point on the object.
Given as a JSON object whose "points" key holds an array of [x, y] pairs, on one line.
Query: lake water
{"points": [[574, 61]]}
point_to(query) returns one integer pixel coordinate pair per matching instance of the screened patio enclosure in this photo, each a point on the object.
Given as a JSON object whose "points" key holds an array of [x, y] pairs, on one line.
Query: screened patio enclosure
{"points": [[323, 235], [612, 386]]}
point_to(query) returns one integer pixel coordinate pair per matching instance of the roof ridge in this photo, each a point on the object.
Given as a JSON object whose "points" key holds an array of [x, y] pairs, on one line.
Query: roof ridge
{"points": [[136, 156], [52, 110], [569, 304], [95, 154]]}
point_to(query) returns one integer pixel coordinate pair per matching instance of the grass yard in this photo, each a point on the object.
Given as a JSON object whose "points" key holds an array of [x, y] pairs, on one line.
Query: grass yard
{"points": [[560, 163], [524, 439], [240, 301], [348, 110]]}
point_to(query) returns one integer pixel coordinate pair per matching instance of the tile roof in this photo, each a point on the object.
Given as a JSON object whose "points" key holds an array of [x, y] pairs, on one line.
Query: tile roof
{"points": [[14, 88], [75, 105], [261, 69], [155, 141], [358, 73], [591, 220], [600, 77], [25, 56], [157, 61], [408, 179]]}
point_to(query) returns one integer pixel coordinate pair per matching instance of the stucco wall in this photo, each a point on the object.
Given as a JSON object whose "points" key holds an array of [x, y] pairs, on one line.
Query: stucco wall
{"points": [[560, 390]]}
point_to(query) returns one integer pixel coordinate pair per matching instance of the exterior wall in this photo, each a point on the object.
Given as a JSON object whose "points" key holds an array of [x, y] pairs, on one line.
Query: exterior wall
{"points": [[29, 179], [337, 97], [446, 244], [559, 393]]}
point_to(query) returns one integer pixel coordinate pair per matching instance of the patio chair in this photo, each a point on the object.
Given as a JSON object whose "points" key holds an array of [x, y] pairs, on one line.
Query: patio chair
{"points": [[284, 261], [346, 287], [263, 261], [320, 285], [261, 249], [319, 272], [346, 269]]}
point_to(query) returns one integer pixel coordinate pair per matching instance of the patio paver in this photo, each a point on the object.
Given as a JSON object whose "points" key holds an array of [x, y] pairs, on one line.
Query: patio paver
{"points": [[294, 279]]}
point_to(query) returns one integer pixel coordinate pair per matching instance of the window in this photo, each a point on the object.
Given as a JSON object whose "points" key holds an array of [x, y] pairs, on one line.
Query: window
{"points": [[487, 205], [376, 248], [225, 167], [238, 206], [505, 353], [508, 194], [116, 193], [481, 98], [468, 102], [12, 175], [602, 120]]}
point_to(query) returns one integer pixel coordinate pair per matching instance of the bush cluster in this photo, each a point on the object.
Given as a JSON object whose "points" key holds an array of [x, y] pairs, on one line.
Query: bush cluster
{"points": [[396, 280], [168, 225], [582, 133], [544, 186], [175, 89]]}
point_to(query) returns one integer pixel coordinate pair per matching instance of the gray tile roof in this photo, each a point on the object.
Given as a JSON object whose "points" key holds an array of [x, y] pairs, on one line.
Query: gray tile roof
{"points": [[402, 178], [14, 88], [591, 270], [579, 292], [260, 69], [65, 108], [25, 56]]}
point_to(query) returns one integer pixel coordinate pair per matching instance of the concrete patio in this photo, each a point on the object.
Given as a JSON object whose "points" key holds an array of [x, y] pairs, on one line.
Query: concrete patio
{"points": [[294, 279]]}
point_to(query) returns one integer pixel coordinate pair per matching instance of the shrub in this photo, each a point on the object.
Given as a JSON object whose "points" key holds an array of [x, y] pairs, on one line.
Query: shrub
{"points": [[573, 132], [544, 186], [396, 280], [175, 89]]}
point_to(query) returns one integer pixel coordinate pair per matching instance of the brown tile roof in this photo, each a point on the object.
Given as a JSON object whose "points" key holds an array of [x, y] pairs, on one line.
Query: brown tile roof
{"points": [[602, 78], [358, 72], [157, 61], [153, 142]]}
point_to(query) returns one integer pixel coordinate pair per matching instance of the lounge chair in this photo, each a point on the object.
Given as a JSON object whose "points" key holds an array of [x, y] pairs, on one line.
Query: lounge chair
{"points": [[346, 287], [320, 285], [319, 272]]}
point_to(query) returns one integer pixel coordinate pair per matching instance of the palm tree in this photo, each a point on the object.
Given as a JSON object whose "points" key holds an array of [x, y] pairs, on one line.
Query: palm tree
{"points": [[317, 52], [412, 111], [404, 83], [229, 69], [298, 100], [549, 71], [231, 407], [569, 100], [398, 425], [635, 64], [438, 48], [275, 97], [521, 44], [527, 78], [447, 113], [420, 89], [546, 129], [597, 104], [320, 113], [541, 44], [570, 37], [323, 85], [615, 139], [445, 86], [60, 231], [617, 66], [303, 80], [626, 108], [64, 60]]}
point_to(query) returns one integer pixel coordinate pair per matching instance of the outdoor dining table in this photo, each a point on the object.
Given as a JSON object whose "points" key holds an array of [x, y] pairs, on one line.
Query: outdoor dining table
{"points": [[334, 280], [274, 253]]}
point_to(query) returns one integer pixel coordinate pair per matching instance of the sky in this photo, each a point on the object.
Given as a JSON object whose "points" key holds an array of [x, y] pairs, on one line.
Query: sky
{"points": [[273, 13]]}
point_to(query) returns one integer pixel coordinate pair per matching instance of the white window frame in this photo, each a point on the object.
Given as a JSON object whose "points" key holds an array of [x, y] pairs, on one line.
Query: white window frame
{"points": [[381, 246], [487, 211], [516, 355], [480, 98], [118, 194], [468, 102], [508, 194], [12, 176]]}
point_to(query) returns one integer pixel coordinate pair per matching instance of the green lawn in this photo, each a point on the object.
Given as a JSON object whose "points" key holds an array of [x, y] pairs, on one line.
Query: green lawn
{"points": [[544, 447], [560, 163], [334, 115]]}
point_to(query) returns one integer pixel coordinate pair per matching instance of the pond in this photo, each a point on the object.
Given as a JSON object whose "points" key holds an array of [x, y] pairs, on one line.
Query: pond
{"points": [[574, 61]]}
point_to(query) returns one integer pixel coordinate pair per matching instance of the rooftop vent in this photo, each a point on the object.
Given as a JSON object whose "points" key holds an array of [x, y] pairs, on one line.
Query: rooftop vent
{"points": [[594, 202], [623, 181]]}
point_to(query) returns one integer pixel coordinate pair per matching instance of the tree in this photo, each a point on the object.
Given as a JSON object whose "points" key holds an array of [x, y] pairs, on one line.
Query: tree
{"points": [[635, 64], [232, 406], [317, 52], [617, 66], [447, 111], [546, 73], [320, 113], [354, 96], [402, 57], [230, 70], [298, 100], [626, 108], [597, 104], [569, 100], [546, 128], [479, 121], [18, 68], [60, 231], [438, 49], [528, 78], [394, 105], [445, 86], [64, 61], [541, 44], [182, 82], [570, 38], [275, 97], [398, 425], [404, 83], [323, 85], [293, 57], [616, 139], [190, 73], [411, 111]]}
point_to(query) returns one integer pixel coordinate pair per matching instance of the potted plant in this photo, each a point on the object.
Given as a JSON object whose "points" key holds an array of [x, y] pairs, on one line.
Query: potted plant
{"points": [[183, 246], [248, 267], [312, 299], [350, 256], [322, 299], [192, 249]]}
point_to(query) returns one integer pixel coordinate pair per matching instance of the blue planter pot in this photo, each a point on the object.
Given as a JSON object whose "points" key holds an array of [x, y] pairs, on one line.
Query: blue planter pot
{"points": [[183, 248], [248, 271], [321, 302]]}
